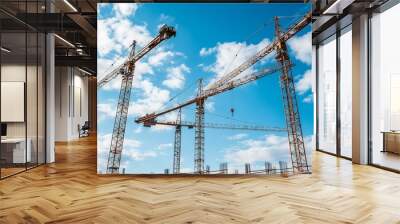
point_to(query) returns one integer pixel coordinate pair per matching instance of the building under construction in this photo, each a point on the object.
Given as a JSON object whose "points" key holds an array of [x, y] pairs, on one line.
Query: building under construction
{"points": [[227, 82]]}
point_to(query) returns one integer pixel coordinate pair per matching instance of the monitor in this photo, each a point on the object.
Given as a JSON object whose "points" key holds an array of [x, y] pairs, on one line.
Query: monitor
{"points": [[3, 129]]}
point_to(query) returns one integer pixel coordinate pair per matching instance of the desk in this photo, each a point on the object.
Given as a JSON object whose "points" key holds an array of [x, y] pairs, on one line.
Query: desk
{"points": [[391, 141], [13, 150]]}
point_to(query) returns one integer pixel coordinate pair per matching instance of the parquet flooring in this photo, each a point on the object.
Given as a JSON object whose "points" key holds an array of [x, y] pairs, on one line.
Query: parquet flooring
{"points": [[70, 191]]}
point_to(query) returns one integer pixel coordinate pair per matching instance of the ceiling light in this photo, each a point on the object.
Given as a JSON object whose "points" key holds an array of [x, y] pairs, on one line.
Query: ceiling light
{"points": [[5, 50], [65, 41], [337, 7], [70, 5], [84, 71]]}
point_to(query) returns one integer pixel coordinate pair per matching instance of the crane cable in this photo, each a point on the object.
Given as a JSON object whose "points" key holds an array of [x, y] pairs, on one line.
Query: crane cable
{"points": [[247, 38], [181, 92], [226, 117]]}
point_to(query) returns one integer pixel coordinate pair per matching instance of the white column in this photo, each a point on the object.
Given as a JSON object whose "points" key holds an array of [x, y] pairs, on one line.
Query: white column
{"points": [[50, 92], [314, 91], [360, 90], [50, 100]]}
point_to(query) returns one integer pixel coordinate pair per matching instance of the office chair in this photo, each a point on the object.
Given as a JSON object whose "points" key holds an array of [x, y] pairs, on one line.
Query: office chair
{"points": [[84, 130]]}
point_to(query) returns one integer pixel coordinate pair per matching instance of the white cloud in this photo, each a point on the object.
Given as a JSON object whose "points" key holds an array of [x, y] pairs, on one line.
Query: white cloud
{"points": [[152, 99], [124, 9], [308, 99], [210, 106], [164, 17], [270, 148], [169, 117], [304, 84], [160, 57], [259, 150], [207, 51], [161, 128], [105, 65], [130, 150], [176, 78], [301, 47], [103, 37], [141, 68], [138, 130], [164, 146], [135, 154], [239, 136], [108, 109], [230, 55], [172, 116], [113, 35]]}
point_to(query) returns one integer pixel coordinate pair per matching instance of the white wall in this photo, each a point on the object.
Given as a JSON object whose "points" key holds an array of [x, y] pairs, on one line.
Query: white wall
{"points": [[17, 73], [71, 94]]}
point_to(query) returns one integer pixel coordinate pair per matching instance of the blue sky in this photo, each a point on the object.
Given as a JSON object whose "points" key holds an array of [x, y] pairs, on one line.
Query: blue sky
{"points": [[208, 38]]}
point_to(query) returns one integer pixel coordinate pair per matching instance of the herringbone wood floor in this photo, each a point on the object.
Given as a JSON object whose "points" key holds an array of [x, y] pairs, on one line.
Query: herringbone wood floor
{"points": [[70, 191]]}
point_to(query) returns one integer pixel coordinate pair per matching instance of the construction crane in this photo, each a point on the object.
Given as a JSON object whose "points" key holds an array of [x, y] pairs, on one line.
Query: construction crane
{"points": [[202, 95], [291, 110], [164, 33], [227, 82], [178, 124], [126, 70]]}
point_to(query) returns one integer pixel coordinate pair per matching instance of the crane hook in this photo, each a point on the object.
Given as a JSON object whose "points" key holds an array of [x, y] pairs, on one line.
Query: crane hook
{"points": [[232, 111]]}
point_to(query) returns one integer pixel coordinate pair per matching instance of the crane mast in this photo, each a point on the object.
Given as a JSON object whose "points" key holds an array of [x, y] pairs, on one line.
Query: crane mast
{"points": [[127, 72], [291, 111], [117, 140], [199, 132], [177, 144]]}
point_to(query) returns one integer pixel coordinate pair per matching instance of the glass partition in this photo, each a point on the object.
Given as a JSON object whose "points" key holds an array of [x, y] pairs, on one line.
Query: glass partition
{"points": [[14, 154], [346, 92], [22, 87], [385, 89], [327, 95]]}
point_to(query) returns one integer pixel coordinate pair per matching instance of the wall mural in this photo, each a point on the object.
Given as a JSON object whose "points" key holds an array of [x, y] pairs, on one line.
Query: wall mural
{"points": [[204, 89]]}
